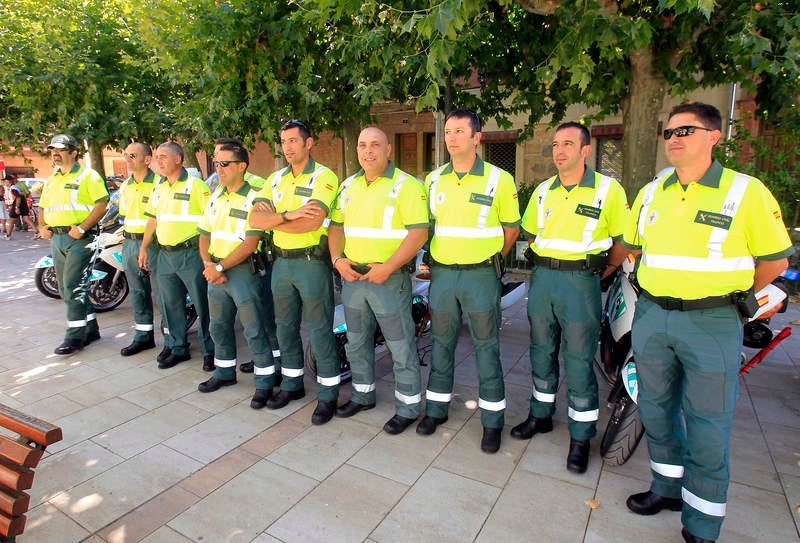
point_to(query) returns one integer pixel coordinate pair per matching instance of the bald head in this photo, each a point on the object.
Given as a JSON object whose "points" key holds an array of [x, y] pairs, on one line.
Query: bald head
{"points": [[373, 152]]}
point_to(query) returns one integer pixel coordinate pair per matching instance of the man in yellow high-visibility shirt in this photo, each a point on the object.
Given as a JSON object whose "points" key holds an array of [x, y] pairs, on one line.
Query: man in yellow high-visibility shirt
{"points": [[134, 195], [379, 222], [73, 202], [709, 237], [173, 212], [574, 224], [475, 212], [294, 204], [227, 246]]}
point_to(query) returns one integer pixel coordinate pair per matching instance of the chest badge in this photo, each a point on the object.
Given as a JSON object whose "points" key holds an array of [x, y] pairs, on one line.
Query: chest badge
{"points": [[440, 198], [278, 195], [548, 212], [652, 217]]}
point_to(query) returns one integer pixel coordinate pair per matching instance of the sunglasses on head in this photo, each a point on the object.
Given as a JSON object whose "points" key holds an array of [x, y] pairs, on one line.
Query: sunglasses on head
{"points": [[295, 123], [683, 131], [225, 163]]}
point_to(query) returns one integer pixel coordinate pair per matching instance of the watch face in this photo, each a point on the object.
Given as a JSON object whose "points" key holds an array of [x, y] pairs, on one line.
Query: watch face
{"points": [[220, 268]]}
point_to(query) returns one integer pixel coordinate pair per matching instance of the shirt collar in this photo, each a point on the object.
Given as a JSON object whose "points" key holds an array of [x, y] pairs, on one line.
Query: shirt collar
{"points": [[477, 167], [74, 169], [309, 169], [148, 178], [588, 179], [243, 190], [388, 173], [710, 178]]}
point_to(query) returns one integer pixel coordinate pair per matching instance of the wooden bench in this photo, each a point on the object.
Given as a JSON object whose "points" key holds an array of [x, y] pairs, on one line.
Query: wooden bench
{"points": [[18, 457]]}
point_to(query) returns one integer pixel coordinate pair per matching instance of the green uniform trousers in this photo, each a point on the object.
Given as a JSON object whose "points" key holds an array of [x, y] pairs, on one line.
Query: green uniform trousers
{"points": [[475, 293], [303, 287], [72, 260], [388, 305], [143, 287], [688, 362], [180, 272], [242, 293], [268, 315], [564, 310]]}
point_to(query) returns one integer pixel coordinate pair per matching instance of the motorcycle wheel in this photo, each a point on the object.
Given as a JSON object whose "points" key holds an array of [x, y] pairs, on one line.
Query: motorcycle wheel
{"points": [[46, 282], [344, 365], [623, 433], [103, 297]]}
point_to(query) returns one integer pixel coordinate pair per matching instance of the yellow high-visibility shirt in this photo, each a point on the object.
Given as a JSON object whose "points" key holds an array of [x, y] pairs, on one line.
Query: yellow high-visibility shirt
{"points": [[133, 199], [69, 198], [469, 213], [286, 192], [378, 216], [177, 208], [225, 219], [699, 240], [570, 224]]}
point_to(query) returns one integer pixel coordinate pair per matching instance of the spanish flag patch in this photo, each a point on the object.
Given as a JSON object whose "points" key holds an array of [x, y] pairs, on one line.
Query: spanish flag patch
{"points": [[328, 186]]}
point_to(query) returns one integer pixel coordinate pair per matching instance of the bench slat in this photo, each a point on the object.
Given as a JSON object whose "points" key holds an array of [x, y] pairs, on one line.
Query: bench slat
{"points": [[13, 502], [11, 526], [15, 477], [37, 430], [20, 453]]}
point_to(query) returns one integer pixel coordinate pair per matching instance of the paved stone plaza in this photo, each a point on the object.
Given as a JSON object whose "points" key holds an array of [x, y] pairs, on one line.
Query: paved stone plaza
{"points": [[145, 457]]}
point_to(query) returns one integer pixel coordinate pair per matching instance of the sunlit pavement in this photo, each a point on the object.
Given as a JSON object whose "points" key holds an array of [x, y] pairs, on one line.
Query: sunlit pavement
{"points": [[145, 457]]}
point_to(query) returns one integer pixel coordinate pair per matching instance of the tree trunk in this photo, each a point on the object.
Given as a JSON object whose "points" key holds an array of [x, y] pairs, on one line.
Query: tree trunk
{"points": [[350, 132], [96, 158], [640, 111]]}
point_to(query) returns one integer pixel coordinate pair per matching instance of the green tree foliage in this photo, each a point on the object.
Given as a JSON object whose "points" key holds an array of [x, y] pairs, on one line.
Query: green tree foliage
{"points": [[245, 67], [537, 57], [76, 68]]}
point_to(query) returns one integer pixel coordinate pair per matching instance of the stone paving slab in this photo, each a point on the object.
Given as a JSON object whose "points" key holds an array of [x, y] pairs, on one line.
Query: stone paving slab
{"points": [[146, 457]]}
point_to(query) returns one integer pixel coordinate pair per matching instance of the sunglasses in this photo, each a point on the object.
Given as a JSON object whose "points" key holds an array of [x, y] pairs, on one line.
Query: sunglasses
{"points": [[131, 155], [683, 131], [225, 163]]}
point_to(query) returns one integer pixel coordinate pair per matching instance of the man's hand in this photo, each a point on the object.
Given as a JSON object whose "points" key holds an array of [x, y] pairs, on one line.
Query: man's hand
{"points": [[212, 275], [143, 259], [74, 233], [311, 210], [344, 267], [45, 232], [377, 274]]}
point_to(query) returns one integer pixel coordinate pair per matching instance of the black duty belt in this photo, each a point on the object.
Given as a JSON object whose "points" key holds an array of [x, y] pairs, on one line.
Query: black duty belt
{"points": [[484, 264], [556, 264], [679, 304], [66, 229], [304, 252], [408, 267], [129, 235], [216, 259], [191, 243]]}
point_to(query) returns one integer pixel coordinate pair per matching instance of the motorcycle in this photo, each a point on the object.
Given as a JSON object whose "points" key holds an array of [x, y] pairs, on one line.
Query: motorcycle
{"points": [[616, 365], [108, 286], [511, 293]]}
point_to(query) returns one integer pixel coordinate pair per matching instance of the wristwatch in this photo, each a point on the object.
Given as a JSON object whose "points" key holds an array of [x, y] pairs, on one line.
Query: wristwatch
{"points": [[219, 268], [81, 230]]}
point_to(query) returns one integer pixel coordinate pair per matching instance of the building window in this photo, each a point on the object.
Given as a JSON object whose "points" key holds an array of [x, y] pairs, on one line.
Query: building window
{"points": [[502, 154]]}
